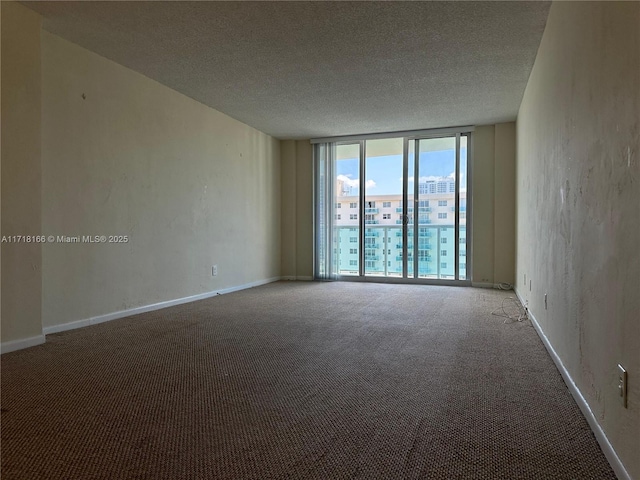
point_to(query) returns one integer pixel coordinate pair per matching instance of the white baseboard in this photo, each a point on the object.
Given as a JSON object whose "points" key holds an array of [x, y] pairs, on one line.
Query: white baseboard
{"points": [[601, 437], [294, 278], [482, 285], [14, 345], [497, 286], [522, 301], [149, 308]]}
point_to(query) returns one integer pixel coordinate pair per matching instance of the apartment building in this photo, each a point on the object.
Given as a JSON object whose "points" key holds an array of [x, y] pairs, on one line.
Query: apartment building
{"points": [[384, 216]]}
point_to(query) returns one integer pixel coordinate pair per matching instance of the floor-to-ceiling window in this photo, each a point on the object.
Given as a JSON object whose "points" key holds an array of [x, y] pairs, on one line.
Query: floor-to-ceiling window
{"points": [[399, 204]]}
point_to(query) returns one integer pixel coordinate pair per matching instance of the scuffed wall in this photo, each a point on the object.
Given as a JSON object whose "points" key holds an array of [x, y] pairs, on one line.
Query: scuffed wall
{"points": [[578, 205], [188, 186]]}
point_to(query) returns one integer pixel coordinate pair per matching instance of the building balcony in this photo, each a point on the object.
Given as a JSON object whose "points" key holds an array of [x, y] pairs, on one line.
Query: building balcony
{"points": [[371, 210], [371, 222], [424, 209]]}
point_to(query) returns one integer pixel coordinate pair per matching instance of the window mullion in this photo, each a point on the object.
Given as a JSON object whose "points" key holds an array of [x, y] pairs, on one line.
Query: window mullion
{"points": [[361, 210]]}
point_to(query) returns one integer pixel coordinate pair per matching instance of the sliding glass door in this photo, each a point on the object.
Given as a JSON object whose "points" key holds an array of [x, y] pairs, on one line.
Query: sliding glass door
{"points": [[347, 204], [383, 187], [439, 196], [399, 209]]}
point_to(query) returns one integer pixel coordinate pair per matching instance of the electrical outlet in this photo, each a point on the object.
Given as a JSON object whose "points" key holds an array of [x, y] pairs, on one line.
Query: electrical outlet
{"points": [[622, 385], [214, 271], [545, 301]]}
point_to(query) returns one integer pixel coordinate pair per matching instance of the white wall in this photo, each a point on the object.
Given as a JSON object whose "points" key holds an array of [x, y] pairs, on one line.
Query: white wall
{"points": [[578, 205], [21, 177], [124, 155]]}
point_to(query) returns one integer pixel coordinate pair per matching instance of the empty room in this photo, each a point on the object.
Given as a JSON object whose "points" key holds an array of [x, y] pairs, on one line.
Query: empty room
{"points": [[320, 240]]}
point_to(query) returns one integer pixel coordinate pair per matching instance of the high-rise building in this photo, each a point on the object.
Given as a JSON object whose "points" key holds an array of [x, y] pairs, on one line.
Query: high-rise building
{"points": [[383, 236]]}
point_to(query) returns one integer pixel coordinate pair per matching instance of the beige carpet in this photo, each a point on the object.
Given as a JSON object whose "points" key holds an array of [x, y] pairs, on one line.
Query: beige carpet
{"points": [[298, 380]]}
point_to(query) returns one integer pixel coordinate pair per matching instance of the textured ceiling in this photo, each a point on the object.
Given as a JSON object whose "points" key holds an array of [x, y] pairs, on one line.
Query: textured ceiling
{"points": [[315, 69]]}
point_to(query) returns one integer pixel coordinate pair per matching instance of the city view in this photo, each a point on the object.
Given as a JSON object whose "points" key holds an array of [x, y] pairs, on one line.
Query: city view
{"points": [[430, 217]]}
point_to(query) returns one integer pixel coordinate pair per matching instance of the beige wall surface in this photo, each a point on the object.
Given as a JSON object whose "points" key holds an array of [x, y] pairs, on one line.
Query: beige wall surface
{"points": [[493, 214], [578, 198], [21, 173], [297, 209], [482, 204], [304, 212], [504, 203], [124, 155], [289, 208]]}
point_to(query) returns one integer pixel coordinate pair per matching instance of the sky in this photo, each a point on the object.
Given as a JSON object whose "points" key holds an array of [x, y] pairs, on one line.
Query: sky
{"points": [[384, 173]]}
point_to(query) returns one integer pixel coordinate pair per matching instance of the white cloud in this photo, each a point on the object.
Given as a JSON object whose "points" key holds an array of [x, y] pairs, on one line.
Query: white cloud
{"points": [[355, 182], [350, 182]]}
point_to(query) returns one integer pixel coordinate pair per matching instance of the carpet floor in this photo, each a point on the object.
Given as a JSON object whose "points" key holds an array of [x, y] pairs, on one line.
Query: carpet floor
{"points": [[298, 380]]}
